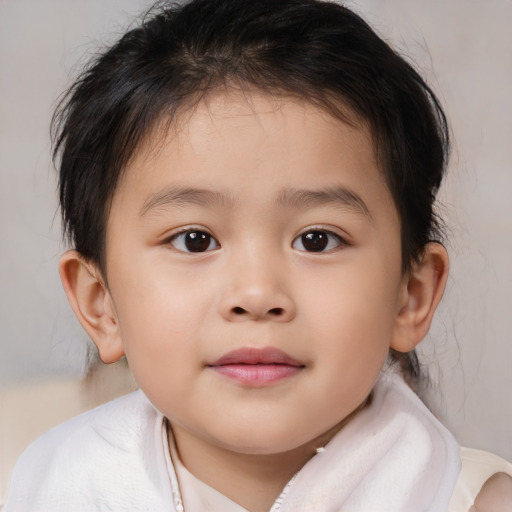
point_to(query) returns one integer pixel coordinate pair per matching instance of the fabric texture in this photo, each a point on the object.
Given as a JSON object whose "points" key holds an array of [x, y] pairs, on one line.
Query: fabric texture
{"points": [[195, 494], [109, 458], [393, 455]]}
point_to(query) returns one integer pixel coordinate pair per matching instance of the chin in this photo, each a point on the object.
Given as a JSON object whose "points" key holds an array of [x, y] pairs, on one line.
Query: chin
{"points": [[263, 441]]}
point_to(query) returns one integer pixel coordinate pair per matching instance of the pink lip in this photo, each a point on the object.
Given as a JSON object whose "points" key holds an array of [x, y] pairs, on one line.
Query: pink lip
{"points": [[257, 367]]}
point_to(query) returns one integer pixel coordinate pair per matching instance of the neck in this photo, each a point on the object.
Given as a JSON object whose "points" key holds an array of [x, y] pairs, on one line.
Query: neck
{"points": [[252, 481]]}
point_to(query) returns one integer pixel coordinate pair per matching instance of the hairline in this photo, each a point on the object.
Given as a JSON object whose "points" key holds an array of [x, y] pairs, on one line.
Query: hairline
{"points": [[173, 116]]}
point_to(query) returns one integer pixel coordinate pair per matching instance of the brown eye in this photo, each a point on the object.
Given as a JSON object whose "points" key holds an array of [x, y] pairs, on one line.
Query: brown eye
{"points": [[317, 241], [194, 241]]}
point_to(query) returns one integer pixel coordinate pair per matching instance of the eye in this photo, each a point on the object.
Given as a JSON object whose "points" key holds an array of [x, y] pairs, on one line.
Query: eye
{"points": [[317, 240], [194, 240]]}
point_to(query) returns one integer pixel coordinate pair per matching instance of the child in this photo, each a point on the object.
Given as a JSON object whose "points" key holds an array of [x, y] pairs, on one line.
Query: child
{"points": [[248, 187]]}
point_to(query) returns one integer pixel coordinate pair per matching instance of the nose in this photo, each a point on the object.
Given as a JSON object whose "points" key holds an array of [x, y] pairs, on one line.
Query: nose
{"points": [[257, 294]]}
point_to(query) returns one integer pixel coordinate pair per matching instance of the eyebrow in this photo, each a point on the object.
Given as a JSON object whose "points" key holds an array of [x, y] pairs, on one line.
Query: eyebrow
{"points": [[184, 196], [336, 196], [289, 197]]}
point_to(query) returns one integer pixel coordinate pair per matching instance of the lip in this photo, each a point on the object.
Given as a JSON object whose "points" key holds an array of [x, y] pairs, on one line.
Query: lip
{"points": [[257, 367]]}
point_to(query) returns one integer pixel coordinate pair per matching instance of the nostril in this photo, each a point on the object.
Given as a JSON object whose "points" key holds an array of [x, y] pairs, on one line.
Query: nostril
{"points": [[237, 310]]}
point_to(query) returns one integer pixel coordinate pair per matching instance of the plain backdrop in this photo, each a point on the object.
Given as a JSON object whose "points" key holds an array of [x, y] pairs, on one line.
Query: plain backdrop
{"points": [[463, 47]]}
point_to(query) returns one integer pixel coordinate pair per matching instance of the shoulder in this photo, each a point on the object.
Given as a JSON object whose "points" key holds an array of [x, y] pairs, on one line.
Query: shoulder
{"points": [[92, 452], [484, 477], [91, 429], [496, 494]]}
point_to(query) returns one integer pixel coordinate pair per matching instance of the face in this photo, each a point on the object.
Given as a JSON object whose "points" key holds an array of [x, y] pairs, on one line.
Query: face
{"points": [[253, 261]]}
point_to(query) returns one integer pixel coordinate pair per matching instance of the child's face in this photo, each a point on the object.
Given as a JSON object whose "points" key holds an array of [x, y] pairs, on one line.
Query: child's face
{"points": [[289, 244]]}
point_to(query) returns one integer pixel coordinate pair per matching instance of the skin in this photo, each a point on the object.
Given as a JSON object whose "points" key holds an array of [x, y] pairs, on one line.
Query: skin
{"points": [[495, 496], [173, 312]]}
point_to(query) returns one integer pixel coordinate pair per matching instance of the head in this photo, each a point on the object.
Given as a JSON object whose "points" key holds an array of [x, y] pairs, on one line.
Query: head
{"points": [[242, 76]]}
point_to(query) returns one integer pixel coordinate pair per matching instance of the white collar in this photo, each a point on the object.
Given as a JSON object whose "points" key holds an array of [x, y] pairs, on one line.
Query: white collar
{"points": [[394, 455]]}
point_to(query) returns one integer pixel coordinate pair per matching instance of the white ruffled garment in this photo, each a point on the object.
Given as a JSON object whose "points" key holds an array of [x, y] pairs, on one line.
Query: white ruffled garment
{"points": [[394, 455]]}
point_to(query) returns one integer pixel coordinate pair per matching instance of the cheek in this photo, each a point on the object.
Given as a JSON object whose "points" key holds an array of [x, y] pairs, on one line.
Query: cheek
{"points": [[153, 295], [359, 298], [353, 315], [158, 316]]}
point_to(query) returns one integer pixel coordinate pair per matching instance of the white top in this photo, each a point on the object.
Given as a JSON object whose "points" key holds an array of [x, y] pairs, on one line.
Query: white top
{"points": [[196, 495], [477, 467], [394, 455]]}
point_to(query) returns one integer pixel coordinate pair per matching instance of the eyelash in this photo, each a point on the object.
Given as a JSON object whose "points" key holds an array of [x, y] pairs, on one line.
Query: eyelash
{"points": [[203, 237], [322, 244], [320, 240]]}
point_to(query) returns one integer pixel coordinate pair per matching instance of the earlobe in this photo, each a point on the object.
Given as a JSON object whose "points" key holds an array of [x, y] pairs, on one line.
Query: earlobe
{"points": [[92, 303], [421, 293]]}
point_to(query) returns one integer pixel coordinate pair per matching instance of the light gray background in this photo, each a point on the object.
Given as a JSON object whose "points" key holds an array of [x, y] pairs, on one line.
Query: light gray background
{"points": [[464, 47]]}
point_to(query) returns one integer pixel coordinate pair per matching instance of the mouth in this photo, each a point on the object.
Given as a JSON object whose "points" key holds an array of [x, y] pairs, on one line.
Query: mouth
{"points": [[257, 367]]}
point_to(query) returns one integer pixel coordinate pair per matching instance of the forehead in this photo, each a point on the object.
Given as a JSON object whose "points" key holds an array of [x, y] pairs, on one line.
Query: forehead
{"points": [[255, 143]]}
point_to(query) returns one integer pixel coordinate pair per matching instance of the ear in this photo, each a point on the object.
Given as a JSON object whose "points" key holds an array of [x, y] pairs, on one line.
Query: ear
{"points": [[92, 303], [422, 290]]}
